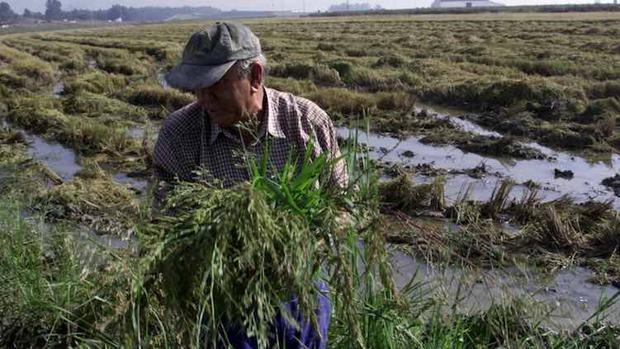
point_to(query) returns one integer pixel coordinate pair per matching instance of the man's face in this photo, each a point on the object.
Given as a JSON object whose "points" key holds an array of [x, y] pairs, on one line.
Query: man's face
{"points": [[229, 100]]}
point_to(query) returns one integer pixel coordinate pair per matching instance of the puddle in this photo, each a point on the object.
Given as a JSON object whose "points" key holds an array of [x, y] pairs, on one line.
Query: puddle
{"points": [[56, 157], [58, 90], [568, 292], [161, 78], [585, 185], [136, 133], [137, 184], [65, 163], [91, 62]]}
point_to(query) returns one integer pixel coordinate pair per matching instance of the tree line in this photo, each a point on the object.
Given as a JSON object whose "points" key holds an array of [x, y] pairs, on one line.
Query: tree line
{"points": [[54, 11]]}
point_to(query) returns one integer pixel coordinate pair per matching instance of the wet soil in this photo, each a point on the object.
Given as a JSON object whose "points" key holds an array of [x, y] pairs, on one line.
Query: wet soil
{"points": [[613, 183]]}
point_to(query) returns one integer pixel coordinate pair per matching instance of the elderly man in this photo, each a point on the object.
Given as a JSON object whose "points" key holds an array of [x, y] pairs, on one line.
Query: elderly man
{"points": [[225, 68]]}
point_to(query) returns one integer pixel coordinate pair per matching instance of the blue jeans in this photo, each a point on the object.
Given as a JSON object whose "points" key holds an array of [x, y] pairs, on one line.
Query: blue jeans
{"points": [[285, 335]]}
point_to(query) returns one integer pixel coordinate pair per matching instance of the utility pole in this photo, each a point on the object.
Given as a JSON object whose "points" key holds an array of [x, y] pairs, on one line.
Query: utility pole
{"points": [[347, 5]]}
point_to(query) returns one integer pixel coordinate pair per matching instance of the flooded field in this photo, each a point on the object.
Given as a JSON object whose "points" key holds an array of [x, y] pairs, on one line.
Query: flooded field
{"points": [[495, 144]]}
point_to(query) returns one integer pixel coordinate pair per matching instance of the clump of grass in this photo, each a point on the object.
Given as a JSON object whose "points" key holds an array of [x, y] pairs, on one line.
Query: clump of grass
{"points": [[12, 79], [504, 146], [394, 101], [52, 297], [96, 200], [394, 61], [373, 80], [600, 109], [568, 139], [343, 100], [320, 74], [23, 266], [8, 136], [91, 104], [23, 70], [546, 100], [557, 230], [401, 194], [499, 199], [86, 135], [37, 114], [607, 270], [118, 62], [90, 136], [94, 82], [152, 95], [296, 87]]}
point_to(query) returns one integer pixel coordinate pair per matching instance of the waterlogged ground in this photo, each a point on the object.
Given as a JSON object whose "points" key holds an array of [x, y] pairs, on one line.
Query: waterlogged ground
{"points": [[411, 152], [87, 105], [568, 297]]}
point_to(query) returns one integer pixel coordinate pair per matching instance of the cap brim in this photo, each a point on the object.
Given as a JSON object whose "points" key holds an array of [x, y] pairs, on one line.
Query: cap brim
{"points": [[191, 77]]}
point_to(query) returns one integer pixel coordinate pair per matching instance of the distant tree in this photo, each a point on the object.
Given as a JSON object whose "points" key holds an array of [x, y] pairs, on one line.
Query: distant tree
{"points": [[27, 13], [353, 7], [6, 13], [117, 11], [53, 9]]}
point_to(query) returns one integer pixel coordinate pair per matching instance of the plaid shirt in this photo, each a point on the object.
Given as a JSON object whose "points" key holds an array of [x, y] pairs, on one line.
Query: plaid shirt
{"points": [[188, 141]]}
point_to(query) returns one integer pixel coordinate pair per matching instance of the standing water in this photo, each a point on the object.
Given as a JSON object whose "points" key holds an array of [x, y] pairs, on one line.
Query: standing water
{"points": [[585, 185]]}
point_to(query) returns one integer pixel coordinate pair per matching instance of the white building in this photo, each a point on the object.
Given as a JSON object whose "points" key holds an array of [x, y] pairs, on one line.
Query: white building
{"points": [[464, 3]]}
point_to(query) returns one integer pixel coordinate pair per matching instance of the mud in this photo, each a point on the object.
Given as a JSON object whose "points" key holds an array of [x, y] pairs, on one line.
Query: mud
{"points": [[613, 183], [58, 90]]}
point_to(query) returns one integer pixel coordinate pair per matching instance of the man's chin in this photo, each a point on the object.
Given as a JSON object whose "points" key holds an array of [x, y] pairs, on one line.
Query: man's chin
{"points": [[222, 123]]}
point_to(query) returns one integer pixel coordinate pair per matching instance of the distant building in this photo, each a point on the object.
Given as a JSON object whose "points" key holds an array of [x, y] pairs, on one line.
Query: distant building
{"points": [[464, 3]]}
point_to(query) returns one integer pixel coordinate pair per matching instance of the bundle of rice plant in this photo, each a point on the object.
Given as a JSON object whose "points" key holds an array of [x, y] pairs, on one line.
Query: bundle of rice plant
{"points": [[231, 256]]}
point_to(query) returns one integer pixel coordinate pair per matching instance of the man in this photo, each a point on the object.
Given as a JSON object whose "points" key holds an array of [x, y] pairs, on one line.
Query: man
{"points": [[235, 114]]}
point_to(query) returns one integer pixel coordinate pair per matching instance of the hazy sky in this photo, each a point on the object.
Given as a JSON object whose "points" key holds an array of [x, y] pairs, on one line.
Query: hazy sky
{"points": [[294, 5]]}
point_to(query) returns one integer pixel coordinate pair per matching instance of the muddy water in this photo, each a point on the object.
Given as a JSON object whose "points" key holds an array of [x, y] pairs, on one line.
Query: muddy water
{"points": [[161, 78], [136, 133], [585, 185], [91, 62], [568, 293], [56, 157], [64, 161], [137, 184], [58, 90]]}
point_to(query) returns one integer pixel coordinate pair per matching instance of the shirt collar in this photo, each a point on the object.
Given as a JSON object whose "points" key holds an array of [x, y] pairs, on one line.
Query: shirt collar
{"points": [[274, 128]]}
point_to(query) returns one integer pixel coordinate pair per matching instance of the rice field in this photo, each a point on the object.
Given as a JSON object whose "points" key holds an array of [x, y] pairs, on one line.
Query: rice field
{"points": [[484, 157]]}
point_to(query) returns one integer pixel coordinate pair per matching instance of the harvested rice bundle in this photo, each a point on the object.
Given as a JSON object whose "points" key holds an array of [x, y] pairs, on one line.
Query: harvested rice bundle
{"points": [[232, 255]]}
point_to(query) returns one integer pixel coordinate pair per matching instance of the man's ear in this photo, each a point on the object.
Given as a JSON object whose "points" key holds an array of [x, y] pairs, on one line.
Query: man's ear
{"points": [[256, 76]]}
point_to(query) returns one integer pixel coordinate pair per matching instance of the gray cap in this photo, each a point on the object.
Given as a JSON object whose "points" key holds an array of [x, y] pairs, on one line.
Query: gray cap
{"points": [[210, 53]]}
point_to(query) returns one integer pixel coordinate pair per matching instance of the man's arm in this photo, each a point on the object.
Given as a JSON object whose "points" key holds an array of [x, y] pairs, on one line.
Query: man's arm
{"points": [[162, 176], [325, 133]]}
